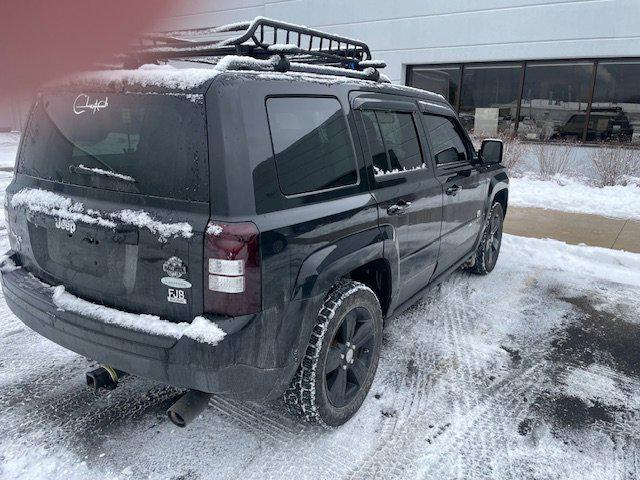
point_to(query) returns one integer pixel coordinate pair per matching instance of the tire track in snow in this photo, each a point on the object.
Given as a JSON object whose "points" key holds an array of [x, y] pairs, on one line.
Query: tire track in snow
{"points": [[400, 456]]}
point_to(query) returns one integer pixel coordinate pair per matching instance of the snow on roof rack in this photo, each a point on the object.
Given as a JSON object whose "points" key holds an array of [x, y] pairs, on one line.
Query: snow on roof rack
{"points": [[262, 38]]}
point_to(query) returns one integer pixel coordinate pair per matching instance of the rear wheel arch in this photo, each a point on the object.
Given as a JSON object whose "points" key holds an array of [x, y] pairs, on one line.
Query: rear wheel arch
{"points": [[377, 276]]}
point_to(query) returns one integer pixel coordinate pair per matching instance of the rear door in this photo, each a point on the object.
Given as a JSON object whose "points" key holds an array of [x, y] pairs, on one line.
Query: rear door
{"points": [[465, 188], [111, 198], [408, 195]]}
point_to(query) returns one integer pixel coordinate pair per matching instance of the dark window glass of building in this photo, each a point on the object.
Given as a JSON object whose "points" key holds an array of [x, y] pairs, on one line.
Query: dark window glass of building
{"points": [[489, 100], [400, 140], [615, 112], [442, 80], [446, 142], [311, 143], [554, 101]]}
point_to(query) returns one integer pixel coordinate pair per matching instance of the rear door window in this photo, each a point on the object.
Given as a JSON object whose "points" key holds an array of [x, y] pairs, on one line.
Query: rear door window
{"points": [[152, 144], [446, 142], [312, 145], [393, 141]]}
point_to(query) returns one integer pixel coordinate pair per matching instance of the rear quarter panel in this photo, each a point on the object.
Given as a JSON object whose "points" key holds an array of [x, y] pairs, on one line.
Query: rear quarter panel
{"points": [[307, 241]]}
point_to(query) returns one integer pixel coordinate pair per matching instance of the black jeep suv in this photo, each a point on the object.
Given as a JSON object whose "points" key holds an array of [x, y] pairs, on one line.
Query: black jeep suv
{"points": [[244, 229]]}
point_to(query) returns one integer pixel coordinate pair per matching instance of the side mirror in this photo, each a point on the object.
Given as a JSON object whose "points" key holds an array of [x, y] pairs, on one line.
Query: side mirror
{"points": [[491, 151]]}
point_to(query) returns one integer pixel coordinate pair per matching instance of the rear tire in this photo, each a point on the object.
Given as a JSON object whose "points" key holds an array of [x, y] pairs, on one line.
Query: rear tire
{"points": [[488, 250], [342, 357]]}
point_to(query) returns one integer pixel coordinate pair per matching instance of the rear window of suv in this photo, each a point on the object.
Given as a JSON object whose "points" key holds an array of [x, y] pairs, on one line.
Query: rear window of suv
{"points": [[151, 144], [311, 143]]}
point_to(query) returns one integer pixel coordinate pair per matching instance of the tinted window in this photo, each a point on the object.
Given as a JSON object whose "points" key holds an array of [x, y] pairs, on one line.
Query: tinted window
{"points": [[311, 143], [615, 113], [490, 98], [376, 143], [442, 80], [158, 140], [446, 142], [397, 133], [552, 96]]}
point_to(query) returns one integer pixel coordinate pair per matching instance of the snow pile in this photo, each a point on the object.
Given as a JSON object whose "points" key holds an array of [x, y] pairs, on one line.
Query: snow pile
{"points": [[204, 331], [595, 262], [201, 329], [570, 195], [55, 205], [107, 173]]}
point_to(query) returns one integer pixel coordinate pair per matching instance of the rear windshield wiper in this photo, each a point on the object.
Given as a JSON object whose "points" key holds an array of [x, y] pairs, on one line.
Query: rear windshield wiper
{"points": [[82, 170]]}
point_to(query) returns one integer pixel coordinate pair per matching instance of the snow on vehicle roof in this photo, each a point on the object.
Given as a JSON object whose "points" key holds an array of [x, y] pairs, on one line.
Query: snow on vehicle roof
{"points": [[166, 76], [188, 75]]}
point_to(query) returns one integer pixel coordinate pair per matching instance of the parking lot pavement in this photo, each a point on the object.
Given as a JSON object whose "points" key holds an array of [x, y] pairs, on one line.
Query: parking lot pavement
{"points": [[530, 372]]}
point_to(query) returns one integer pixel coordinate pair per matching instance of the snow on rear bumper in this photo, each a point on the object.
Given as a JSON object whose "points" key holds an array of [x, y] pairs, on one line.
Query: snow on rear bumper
{"points": [[181, 362]]}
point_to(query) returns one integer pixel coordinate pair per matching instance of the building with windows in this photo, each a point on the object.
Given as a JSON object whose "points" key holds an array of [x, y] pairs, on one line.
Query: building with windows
{"points": [[541, 69]]}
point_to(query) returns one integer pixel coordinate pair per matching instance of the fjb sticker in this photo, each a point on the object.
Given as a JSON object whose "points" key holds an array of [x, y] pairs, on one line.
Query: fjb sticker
{"points": [[176, 296]]}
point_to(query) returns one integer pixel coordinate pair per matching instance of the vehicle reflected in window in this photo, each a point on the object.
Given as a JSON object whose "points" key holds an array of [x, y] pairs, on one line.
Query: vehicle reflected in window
{"points": [[549, 100], [615, 112], [555, 97]]}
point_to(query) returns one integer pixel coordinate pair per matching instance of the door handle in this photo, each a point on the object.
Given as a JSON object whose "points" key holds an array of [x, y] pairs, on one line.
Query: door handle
{"points": [[398, 208], [453, 190]]}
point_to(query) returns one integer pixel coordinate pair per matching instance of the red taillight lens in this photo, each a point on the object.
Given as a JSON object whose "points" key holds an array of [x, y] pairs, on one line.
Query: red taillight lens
{"points": [[232, 284]]}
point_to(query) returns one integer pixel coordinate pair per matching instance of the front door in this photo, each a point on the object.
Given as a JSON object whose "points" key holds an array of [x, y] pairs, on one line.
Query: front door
{"points": [[465, 188]]}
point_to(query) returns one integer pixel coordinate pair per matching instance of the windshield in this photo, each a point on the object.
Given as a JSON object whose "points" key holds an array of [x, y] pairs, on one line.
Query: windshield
{"points": [[140, 143]]}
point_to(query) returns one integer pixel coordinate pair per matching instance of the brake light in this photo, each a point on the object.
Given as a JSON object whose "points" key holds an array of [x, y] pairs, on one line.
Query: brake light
{"points": [[232, 269]]}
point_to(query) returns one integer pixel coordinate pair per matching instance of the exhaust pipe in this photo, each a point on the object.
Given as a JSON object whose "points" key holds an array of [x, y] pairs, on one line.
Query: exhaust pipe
{"points": [[188, 407], [104, 376]]}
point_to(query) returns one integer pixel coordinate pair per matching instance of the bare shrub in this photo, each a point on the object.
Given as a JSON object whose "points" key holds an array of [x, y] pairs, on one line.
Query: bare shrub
{"points": [[554, 159], [514, 152], [614, 165]]}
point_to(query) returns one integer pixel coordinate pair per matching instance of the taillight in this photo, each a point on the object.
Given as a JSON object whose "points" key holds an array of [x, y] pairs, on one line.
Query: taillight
{"points": [[232, 283]]}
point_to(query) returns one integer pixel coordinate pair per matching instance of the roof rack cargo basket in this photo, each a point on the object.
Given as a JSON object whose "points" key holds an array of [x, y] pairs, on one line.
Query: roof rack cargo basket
{"points": [[261, 38]]}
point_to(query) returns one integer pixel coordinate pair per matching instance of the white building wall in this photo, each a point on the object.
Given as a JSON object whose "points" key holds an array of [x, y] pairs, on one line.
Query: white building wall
{"points": [[442, 31]]}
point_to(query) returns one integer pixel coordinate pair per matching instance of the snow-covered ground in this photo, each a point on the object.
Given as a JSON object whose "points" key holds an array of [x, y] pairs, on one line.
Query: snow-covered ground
{"points": [[571, 195], [8, 148], [530, 372]]}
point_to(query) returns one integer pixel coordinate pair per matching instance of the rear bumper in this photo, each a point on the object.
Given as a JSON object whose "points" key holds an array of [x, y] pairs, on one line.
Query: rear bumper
{"points": [[182, 363]]}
